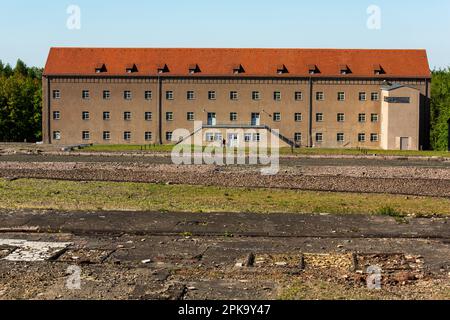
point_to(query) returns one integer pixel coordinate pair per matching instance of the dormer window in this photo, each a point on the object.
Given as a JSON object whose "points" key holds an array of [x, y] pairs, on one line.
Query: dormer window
{"points": [[378, 69], [238, 68], [194, 68], [313, 69], [100, 68], [281, 69], [131, 68], [345, 69], [163, 68]]}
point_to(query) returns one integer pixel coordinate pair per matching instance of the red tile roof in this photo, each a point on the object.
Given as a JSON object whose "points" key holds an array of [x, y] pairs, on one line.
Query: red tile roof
{"points": [[255, 62]]}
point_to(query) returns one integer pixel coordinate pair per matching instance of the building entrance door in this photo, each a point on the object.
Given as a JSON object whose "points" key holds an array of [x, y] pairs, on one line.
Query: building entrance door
{"points": [[404, 143]]}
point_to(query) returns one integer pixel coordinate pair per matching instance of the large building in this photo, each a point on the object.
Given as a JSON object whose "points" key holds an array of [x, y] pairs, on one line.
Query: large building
{"points": [[326, 98]]}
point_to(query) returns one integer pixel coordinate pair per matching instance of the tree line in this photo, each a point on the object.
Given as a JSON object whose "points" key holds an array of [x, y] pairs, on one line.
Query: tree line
{"points": [[21, 104]]}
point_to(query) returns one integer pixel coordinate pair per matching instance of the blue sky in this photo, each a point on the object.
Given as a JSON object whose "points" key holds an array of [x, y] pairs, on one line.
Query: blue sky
{"points": [[29, 28]]}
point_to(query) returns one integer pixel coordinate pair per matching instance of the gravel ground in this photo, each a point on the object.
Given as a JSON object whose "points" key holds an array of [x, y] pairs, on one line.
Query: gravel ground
{"points": [[393, 180]]}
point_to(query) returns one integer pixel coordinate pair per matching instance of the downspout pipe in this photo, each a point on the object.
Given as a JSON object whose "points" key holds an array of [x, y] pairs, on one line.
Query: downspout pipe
{"points": [[310, 120]]}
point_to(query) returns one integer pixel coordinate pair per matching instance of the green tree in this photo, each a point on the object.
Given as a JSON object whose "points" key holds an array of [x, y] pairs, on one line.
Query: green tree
{"points": [[21, 68], [440, 109]]}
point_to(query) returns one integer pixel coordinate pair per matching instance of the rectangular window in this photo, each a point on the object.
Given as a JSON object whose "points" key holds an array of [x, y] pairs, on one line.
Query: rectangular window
{"points": [[256, 95], [362, 137], [248, 137], [374, 137], [56, 135], [298, 117], [211, 95], [319, 117], [298, 137], [375, 96], [85, 94], [341, 96], [362, 117], [169, 95], [127, 136], [190, 116], [362, 96], [233, 116], [234, 95], [340, 137], [256, 137], [106, 135], [148, 95], [319, 137], [106, 116], [148, 116], [277, 117], [218, 137], [106, 95], [320, 96], [56, 115], [85, 115], [148, 136], [190, 95], [397, 99], [277, 96], [340, 117], [127, 95], [127, 116], [86, 135], [169, 116], [374, 117], [56, 94], [209, 137], [298, 96], [169, 136]]}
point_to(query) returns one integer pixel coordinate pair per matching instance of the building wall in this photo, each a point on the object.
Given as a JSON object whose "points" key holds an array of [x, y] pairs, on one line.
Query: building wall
{"points": [[71, 105]]}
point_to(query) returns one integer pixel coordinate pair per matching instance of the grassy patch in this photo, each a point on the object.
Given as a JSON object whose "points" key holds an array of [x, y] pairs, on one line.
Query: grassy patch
{"points": [[91, 196]]}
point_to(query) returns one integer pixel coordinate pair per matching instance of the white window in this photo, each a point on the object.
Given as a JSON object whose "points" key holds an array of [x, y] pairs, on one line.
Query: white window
{"points": [[56, 94], [190, 116], [362, 96], [211, 95], [320, 96], [85, 94], [190, 95], [86, 135], [169, 116], [106, 94], [234, 95], [374, 137], [127, 136], [56, 115], [106, 115], [319, 137], [169, 136], [341, 96], [169, 95], [256, 95], [148, 95], [247, 137], [85, 115], [374, 117], [277, 117], [340, 137], [148, 136], [148, 116], [319, 117], [209, 137], [218, 137], [127, 116], [298, 96], [362, 117], [256, 137], [127, 95], [362, 137], [298, 137], [298, 117], [233, 116], [56, 135], [375, 96], [277, 96], [106, 135], [340, 117]]}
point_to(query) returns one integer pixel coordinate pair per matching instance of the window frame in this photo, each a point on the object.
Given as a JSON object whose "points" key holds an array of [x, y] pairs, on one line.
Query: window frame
{"points": [[148, 136], [299, 115], [340, 117], [85, 94], [320, 96], [106, 118], [56, 135], [233, 116], [148, 95], [127, 115], [127, 95], [148, 116], [212, 95], [319, 117], [56, 94], [256, 95], [169, 116], [190, 116], [127, 136], [362, 96], [170, 95], [106, 135], [56, 112], [298, 96], [86, 135], [85, 115], [106, 95], [341, 96]]}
